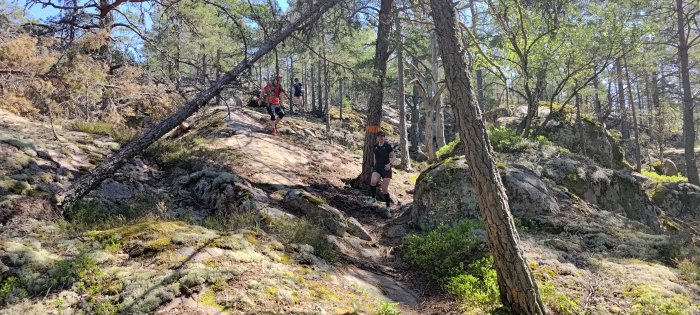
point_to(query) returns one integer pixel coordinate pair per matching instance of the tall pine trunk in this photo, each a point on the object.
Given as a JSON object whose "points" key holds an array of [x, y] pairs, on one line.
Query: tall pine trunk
{"points": [[374, 111], [688, 120], [515, 280], [401, 98], [624, 125], [637, 148]]}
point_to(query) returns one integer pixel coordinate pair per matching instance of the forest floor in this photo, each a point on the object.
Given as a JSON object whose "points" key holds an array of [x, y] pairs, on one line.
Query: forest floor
{"points": [[153, 257], [154, 264]]}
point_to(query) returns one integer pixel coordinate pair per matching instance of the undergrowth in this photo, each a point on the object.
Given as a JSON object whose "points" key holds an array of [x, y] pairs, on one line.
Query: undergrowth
{"points": [[664, 178]]}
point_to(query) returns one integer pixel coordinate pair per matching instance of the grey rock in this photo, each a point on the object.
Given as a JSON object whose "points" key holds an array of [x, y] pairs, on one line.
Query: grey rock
{"points": [[113, 190], [678, 200], [444, 194], [394, 231]]}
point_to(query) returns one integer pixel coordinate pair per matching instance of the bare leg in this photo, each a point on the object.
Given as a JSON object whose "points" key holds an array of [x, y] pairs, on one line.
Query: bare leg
{"points": [[373, 184]]}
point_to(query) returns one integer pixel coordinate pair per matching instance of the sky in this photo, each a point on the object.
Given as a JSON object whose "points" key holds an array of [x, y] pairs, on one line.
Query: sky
{"points": [[40, 13]]}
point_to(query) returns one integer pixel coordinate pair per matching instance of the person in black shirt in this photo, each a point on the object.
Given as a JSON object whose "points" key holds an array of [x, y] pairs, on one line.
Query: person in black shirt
{"points": [[383, 155]]}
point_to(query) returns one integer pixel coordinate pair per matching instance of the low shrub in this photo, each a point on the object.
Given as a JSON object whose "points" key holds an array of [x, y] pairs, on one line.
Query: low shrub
{"points": [[444, 252]]}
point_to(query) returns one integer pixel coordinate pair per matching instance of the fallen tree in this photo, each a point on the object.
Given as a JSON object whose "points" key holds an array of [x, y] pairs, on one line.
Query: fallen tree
{"points": [[105, 169]]}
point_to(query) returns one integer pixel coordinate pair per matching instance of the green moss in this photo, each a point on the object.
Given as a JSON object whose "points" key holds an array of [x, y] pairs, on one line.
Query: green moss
{"points": [[448, 149], [208, 298], [313, 199], [664, 178]]}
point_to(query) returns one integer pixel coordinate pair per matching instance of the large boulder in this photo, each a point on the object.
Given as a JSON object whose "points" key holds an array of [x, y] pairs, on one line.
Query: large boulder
{"points": [[615, 191], [217, 190], [317, 209], [587, 138], [445, 194], [678, 158], [678, 200]]}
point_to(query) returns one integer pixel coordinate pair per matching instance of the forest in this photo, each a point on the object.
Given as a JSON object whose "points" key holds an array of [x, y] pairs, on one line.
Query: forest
{"points": [[546, 157]]}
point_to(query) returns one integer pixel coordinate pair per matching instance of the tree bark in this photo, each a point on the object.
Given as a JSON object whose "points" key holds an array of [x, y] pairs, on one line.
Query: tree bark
{"points": [[656, 101], [688, 120], [105, 169], [516, 283], [439, 114], [414, 135], [401, 98], [313, 88], [374, 111], [637, 148], [624, 126]]}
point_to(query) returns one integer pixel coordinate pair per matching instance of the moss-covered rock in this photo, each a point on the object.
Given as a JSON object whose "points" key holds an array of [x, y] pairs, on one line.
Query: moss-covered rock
{"points": [[444, 194], [678, 200], [615, 191]]}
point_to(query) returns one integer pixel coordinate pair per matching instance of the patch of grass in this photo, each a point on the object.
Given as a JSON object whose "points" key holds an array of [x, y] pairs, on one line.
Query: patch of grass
{"points": [[93, 127], [647, 301], [303, 231], [10, 286], [690, 271], [664, 178], [444, 252], [559, 303], [169, 152], [93, 215], [387, 308], [232, 221]]}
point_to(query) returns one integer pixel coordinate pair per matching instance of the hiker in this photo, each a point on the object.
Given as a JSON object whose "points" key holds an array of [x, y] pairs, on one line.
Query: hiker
{"points": [[298, 96], [273, 94], [383, 155]]}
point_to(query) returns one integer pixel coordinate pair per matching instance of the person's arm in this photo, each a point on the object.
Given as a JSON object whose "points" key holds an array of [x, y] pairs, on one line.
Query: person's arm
{"points": [[392, 155], [262, 93]]}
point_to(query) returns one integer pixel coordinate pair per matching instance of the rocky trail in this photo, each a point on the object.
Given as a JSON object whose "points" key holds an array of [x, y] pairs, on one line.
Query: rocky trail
{"points": [[298, 160]]}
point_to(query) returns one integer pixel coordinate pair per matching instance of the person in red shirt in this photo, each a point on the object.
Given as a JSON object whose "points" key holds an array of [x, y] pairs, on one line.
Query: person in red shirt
{"points": [[273, 94]]}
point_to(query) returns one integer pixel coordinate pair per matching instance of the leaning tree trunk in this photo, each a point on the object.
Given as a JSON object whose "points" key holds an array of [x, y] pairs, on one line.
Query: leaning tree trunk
{"points": [[515, 280], [374, 112], [688, 120], [401, 98], [105, 169]]}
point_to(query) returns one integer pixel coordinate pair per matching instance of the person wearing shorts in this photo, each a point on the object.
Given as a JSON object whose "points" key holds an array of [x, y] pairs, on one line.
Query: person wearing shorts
{"points": [[383, 155], [273, 94]]}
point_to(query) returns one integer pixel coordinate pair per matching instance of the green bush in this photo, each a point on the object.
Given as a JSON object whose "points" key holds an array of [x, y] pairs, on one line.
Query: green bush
{"points": [[478, 287], [542, 140], [506, 140], [664, 178], [447, 149], [444, 252]]}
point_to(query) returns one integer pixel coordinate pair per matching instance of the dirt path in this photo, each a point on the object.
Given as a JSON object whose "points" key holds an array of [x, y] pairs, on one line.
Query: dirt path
{"points": [[304, 158]]}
